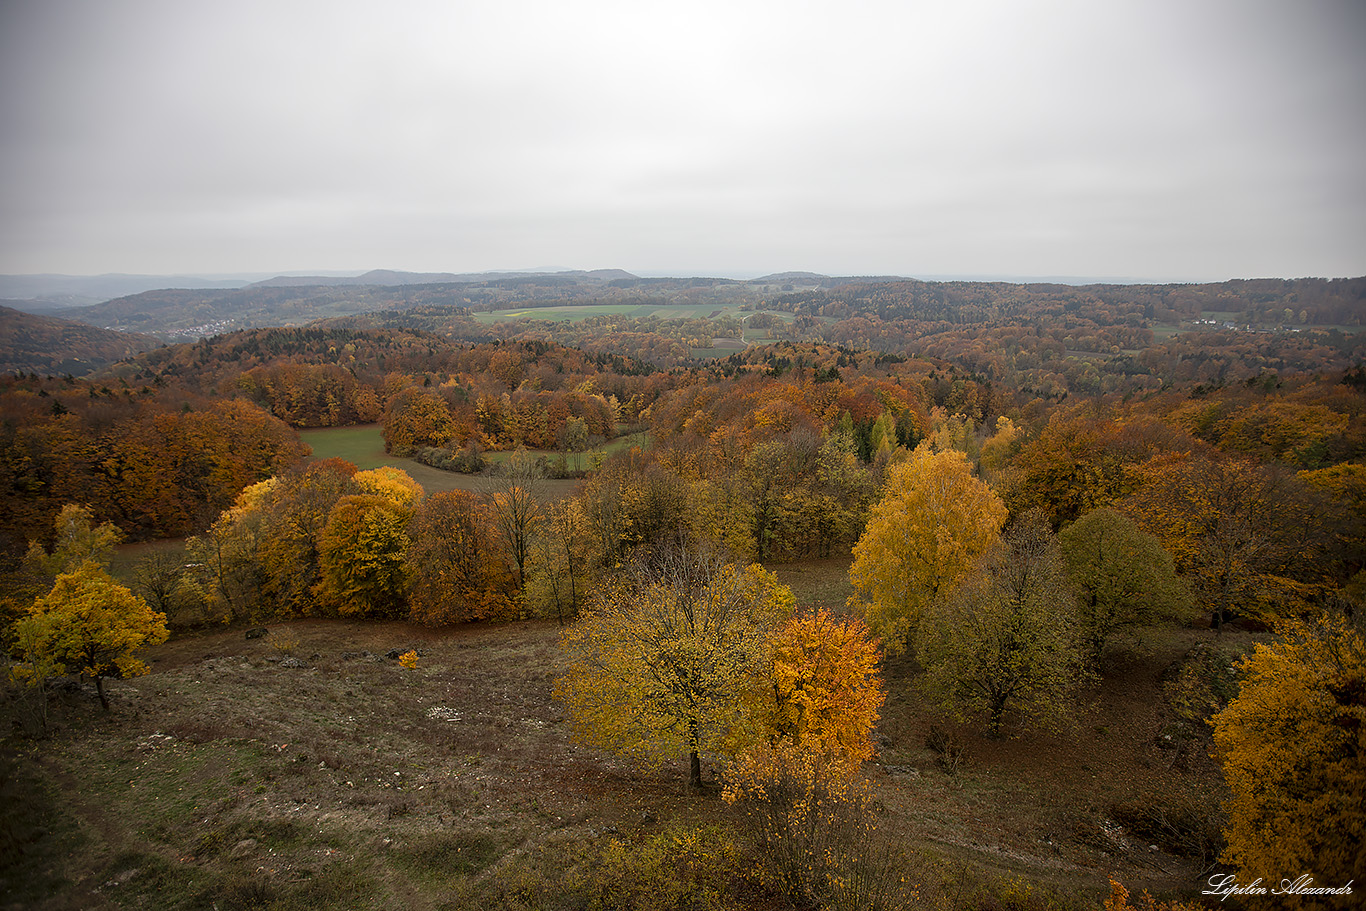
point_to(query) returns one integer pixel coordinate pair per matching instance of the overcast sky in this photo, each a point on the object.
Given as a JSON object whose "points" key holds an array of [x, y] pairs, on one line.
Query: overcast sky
{"points": [[1153, 139]]}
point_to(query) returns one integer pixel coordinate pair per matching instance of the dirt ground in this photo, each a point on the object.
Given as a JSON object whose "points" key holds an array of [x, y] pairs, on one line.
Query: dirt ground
{"points": [[312, 762]]}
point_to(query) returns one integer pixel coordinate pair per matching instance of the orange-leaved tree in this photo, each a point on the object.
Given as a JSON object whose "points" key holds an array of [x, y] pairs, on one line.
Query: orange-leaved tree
{"points": [[820, 690], [811, 710], [455, 565], [1293, 745], [91, 624]]}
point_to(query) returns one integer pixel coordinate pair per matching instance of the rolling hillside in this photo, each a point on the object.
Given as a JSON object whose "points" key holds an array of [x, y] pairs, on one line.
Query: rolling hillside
{"points": [[44, 344]]}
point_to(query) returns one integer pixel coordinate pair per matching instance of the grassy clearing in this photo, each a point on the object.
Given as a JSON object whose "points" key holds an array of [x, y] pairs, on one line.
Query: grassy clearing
{"points": [[562, 314], [362, 445], [574, 313], [818, 583], [721, 347], [623, 443], [224, 779]]}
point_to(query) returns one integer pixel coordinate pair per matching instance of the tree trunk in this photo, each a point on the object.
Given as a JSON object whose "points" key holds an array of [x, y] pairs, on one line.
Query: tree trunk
{"points": [[99, 688], [998, 710], [694, 760], [573, 586]]}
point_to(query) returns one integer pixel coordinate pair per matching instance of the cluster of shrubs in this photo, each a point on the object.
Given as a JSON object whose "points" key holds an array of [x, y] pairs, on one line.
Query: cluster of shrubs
{"points": [[471, 460]]}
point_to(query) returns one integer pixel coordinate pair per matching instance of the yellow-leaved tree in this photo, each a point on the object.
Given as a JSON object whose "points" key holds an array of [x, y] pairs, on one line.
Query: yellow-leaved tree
{"points": [[392, 484], [362, 547], [361, 558], [657, 667], [78, 539], [90, 624], [1293, 745], [923, 537]]}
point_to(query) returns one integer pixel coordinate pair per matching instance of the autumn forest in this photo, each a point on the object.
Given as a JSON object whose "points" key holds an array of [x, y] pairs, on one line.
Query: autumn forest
{"points": [[788, 553]]}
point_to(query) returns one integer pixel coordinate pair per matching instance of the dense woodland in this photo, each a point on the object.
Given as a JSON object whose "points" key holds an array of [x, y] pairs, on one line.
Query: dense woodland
{"points": [[58, 346], [1019, 475]]}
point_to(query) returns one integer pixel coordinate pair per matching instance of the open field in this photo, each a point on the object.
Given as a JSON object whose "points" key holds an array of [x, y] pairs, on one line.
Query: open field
{"points": [[573, 313], [363, 446], [557, 314], [720, 347], [229, 779]]}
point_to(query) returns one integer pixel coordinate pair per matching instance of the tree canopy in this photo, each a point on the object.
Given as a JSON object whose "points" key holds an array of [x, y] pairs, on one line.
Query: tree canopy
{"points": [[1122, 574], [656, 669], [90, 624], [923, 537], [1008, 635], [1293, 746]]}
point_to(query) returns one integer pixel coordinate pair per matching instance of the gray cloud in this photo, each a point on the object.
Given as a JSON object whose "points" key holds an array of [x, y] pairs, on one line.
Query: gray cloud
{"points": [[1157, 139]]}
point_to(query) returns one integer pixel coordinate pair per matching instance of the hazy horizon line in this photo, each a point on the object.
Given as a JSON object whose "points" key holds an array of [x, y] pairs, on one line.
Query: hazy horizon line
{"points": [[730, 274]]}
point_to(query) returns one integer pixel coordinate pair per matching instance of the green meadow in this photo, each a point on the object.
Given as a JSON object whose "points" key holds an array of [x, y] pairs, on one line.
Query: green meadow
{"points": [[573, 313], [363, 446]]}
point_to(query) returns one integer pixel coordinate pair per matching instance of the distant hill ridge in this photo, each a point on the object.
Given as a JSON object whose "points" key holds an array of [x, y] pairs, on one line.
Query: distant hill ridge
{"points": [[30, 343], [188, 313], [389, 277]]}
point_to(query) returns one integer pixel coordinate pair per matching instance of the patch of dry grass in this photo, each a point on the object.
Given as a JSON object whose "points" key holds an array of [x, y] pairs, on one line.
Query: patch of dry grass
{"points": [[228, 777]]}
